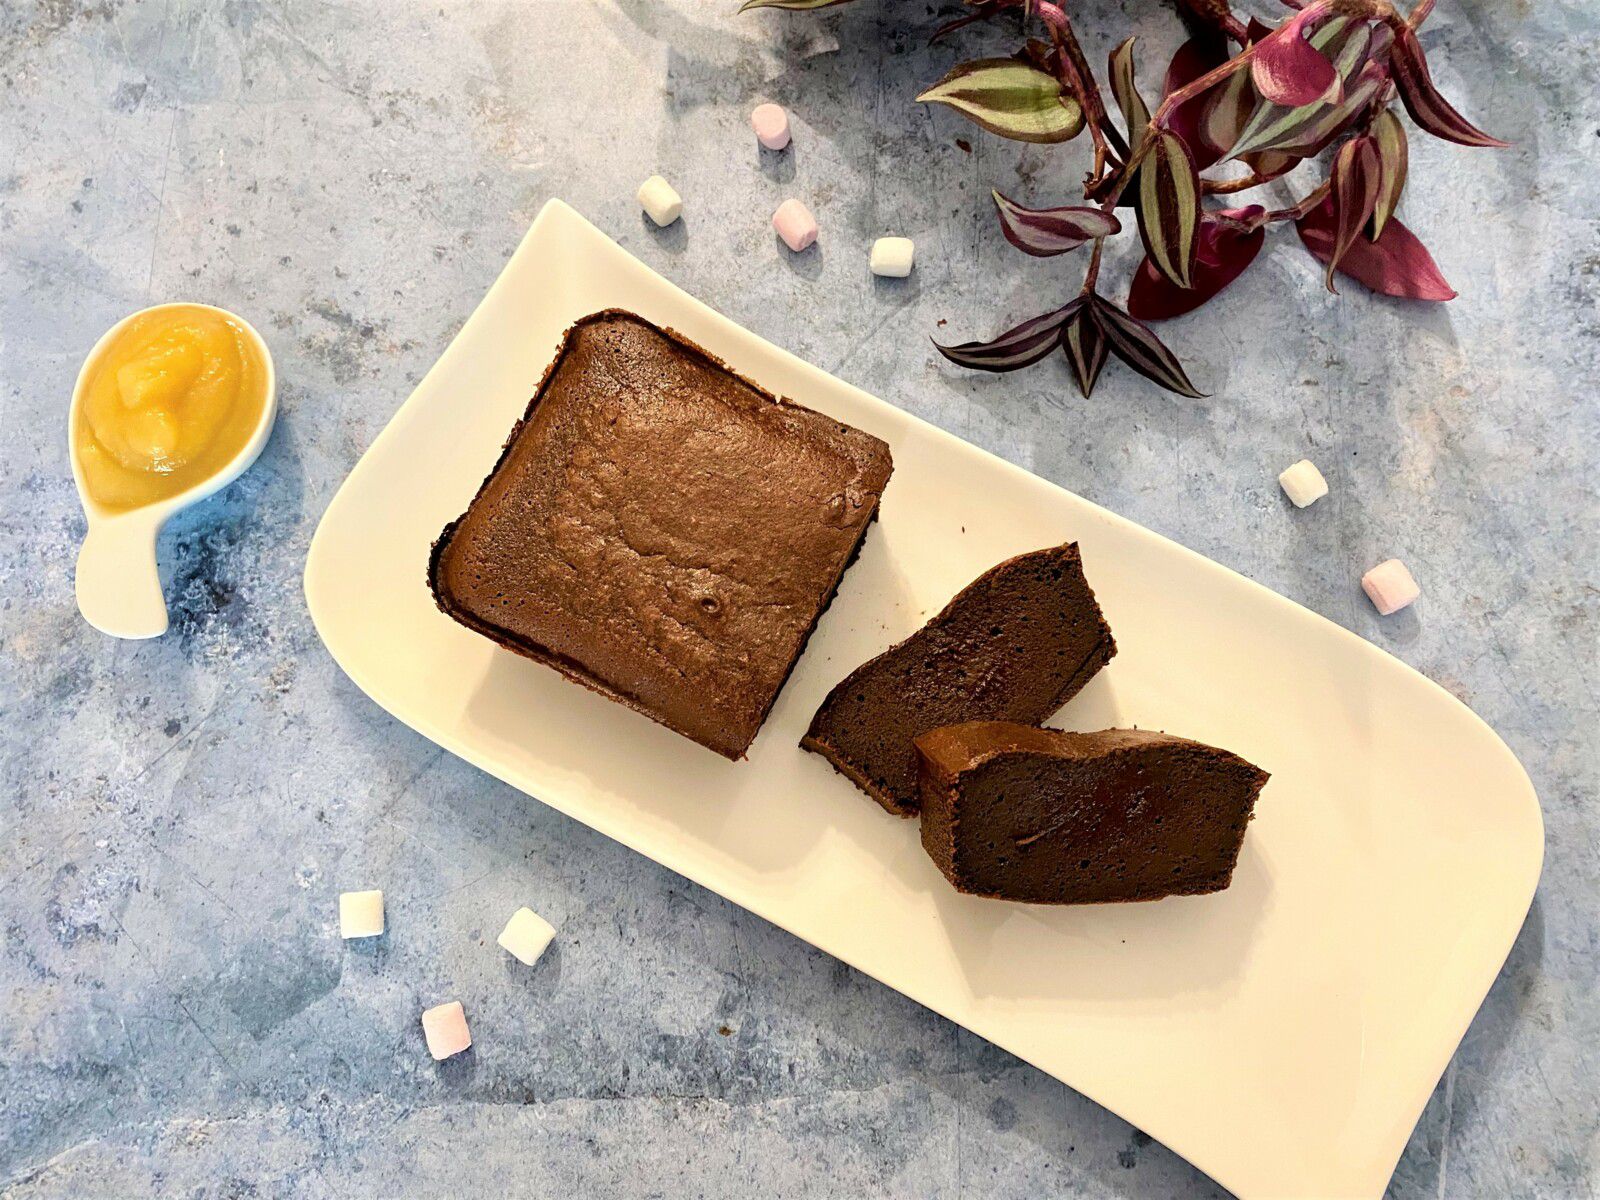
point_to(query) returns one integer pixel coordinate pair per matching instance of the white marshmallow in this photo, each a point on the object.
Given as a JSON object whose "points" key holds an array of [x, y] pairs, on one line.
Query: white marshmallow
{"points": [[660, 201], [526, 936], [1303, 483], [360, 914], [1390, 587], [892, 256]]}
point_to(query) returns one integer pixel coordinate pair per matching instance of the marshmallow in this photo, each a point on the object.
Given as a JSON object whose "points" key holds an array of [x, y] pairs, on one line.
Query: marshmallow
{"points": [[526, 935], [771, 124], [1390, 586], [658, 199], [360, 914], [1303, 483], [891, 256], [795, 225], [445, 1027]]}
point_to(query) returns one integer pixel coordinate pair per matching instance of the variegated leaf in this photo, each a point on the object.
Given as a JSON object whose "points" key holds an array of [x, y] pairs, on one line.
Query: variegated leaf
{"points": [[1427, 107], [1137, 345], [1169, 207], [1084, 344], [1135, 112], [1228, 109], [1394, 157], [1043, 232], [1353, 191], [1020, 346], [1011, 98], [1276, 126]]}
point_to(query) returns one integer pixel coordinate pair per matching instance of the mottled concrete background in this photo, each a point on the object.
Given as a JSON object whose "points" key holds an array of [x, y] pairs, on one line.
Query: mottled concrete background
{"points": [[177, 1014]]}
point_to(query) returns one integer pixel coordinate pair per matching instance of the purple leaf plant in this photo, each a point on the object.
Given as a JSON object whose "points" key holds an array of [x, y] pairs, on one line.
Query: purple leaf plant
{"points": [[1238, 96]]}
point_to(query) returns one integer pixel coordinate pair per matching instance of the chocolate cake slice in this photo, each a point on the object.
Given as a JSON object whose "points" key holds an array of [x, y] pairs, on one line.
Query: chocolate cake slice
{"points": [[1047, 817], [1016, 644], [661, 530]]}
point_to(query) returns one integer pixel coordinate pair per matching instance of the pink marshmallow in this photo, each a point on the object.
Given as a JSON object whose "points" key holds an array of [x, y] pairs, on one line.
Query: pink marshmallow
{"points": [[445, 1027], [1390, 586], [795, 225], [771, 124]]}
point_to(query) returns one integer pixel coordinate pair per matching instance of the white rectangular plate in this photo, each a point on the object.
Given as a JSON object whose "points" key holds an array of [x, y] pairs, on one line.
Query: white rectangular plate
{"points": [[1283, 1035]]}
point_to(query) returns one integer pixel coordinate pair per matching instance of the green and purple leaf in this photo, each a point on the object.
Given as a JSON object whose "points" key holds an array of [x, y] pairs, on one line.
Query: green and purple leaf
{"points": [[1227, 111], [1289, 70], [1020, 346], [1135, 112], [1084, 344], [1427, 107], [1009, 97], [1043, 232], [1305, 129], [1229, 241], [1353, 184], [1397, 264], [1394, 158], [1137, 345], [1169, 207]]}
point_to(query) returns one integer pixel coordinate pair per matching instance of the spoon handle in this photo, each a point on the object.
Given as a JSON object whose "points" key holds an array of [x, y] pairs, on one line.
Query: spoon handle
{"points": [[118, 585]]}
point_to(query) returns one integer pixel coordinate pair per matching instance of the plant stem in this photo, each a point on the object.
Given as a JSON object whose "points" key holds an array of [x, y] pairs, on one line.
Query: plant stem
{"points": [[1215, 14], [1078, 77], [1295, 211], [1419, 14], [1226, 187], [1092, 275]]}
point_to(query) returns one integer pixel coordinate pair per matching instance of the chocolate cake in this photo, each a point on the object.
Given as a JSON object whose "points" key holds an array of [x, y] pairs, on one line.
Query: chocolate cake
{"points": [[1015, 645], [1047, 817], [661, 530]]}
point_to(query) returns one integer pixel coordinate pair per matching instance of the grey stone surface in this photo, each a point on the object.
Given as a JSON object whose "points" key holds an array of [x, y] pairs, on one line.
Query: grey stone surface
{"points": [[177, 1014]]}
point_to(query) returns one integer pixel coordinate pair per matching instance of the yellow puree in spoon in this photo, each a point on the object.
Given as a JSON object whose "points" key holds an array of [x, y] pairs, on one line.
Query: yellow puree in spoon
{"points": [[169, 403]]}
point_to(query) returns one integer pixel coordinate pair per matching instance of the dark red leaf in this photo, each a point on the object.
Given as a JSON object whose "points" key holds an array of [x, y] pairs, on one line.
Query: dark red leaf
{"points": [[1084, 344], [1427, 107], [1288, 70], [1397, 264], [1137, 345], [1353, 193], [1229, 242], [1197, 57], [1020, 346], [1043, 232]]}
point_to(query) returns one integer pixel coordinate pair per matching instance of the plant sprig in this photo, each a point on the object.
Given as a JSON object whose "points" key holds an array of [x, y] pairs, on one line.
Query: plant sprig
{"points": [[1269, 98]]}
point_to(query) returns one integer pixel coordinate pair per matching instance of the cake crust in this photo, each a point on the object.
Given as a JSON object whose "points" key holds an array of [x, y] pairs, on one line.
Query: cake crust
{"points": [[1048, 817], [661, 530], [1015, 644]]}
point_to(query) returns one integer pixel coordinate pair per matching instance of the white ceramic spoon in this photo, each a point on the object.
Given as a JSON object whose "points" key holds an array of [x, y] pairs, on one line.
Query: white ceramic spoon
{"points": [[118, 584]]}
